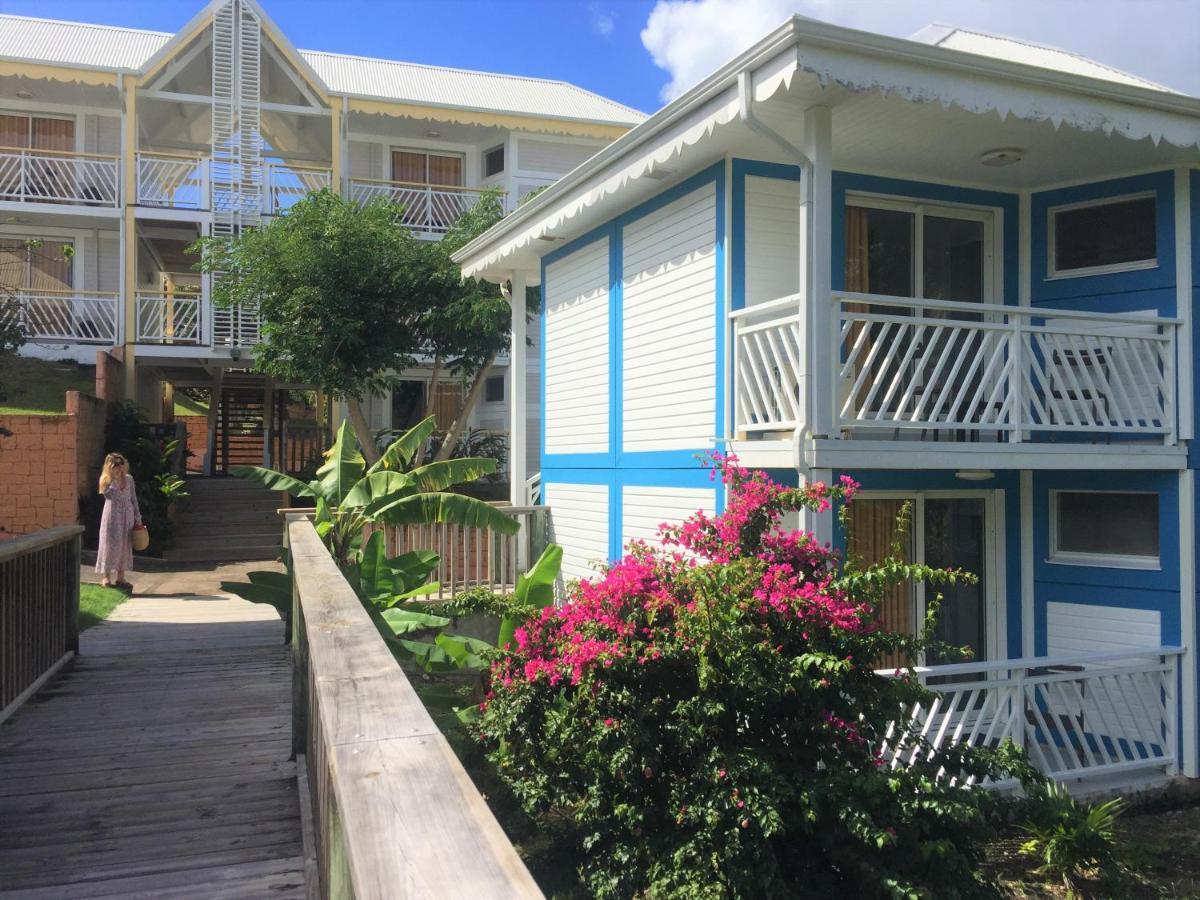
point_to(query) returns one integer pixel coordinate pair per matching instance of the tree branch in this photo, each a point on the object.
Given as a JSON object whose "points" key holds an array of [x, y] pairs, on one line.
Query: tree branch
{"points": [[460, 422]]}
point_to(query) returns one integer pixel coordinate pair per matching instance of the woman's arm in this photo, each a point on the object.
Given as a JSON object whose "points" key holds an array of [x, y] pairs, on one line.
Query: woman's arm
{"points": [[137, 512]]}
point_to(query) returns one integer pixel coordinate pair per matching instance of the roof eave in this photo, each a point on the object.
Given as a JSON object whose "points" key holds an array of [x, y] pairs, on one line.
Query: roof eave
{"points": [[378, 98]]}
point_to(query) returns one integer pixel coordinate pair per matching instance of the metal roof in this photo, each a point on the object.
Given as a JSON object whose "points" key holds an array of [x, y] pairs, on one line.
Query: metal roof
{"points": [[999, 46], [78, 44]]}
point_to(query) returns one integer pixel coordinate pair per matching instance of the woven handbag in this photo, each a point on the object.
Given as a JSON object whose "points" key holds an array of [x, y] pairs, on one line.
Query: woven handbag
{"points": [[140, 538]]}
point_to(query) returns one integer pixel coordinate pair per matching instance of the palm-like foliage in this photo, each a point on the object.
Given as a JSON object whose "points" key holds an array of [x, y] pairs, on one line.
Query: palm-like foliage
{"points": [[349, 495]]}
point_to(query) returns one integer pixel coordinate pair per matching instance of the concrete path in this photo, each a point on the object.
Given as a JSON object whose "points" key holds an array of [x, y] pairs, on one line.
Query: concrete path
{"points": [[157, 765]]}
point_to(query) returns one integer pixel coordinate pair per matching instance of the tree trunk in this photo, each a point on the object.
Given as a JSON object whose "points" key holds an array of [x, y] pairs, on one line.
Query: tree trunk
{"points": [[362, 430], [431, 398], [460, 422]]}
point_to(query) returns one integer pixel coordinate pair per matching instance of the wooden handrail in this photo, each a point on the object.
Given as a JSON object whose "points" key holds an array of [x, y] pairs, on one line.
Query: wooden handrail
{"points": [[417, 184], [194, 157], [67, 293], [29, 543], [299, 167], [71, 153], [394, 812]]}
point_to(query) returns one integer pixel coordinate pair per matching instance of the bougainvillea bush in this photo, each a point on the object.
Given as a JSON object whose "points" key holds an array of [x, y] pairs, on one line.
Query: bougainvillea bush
{"points": [[706, 719]]}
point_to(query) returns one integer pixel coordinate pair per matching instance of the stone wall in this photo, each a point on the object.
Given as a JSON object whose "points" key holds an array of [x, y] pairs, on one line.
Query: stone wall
{"points": [[197, 440], [48, 463]]}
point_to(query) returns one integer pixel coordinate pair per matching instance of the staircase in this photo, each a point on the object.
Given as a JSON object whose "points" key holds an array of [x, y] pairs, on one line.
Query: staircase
{"points": [[226, 520], [240, 431]]}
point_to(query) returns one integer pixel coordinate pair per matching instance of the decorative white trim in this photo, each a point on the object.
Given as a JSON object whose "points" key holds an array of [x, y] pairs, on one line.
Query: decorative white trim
{"points": [[1058, 557], [892, 454], [1028, 632], [1053, 273], [1183, 302], [1187, 621]]}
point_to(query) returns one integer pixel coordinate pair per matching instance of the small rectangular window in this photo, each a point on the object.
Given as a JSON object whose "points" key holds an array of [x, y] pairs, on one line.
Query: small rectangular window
{"points": [[493, 389], [1105, 528], [493, 161], [1110, 236]]}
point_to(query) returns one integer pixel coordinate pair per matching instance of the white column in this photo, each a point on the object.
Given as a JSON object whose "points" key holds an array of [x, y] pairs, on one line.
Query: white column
{"points": [[1183, 302], [1187, 620], [818, 147], [517, 400], [1027, 550]]}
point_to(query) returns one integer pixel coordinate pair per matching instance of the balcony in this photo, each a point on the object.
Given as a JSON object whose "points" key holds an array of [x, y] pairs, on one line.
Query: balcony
{"points": [[50, 176], [78, 317], [285, 184], [958, 372], [173, 181], [428, 208], [169, 318]]}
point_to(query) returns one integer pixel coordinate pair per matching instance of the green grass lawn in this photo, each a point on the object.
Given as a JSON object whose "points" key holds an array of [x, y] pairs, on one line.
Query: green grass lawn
{"points": [[37, 387], [97, 603], [189, 406]]}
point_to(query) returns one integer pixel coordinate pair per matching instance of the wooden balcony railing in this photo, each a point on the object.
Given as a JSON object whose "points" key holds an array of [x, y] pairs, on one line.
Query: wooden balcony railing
{"points": [[961, 370], [39, 610], [82, 317], [429, 208], [169, 318], [50, 176], [394, 813], [1078, 717]]}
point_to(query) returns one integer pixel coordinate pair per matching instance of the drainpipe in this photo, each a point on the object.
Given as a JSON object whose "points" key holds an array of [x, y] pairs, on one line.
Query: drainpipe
{"points": [[747, 117]]}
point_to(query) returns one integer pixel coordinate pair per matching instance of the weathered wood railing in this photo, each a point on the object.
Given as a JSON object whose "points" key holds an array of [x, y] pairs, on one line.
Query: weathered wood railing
{"points": [[39, 611], [477, 557], [1078, 717], [395, 814]]}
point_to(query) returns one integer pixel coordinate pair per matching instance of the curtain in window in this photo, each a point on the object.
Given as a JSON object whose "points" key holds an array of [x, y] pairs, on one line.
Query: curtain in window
{"points": [[858, 269], [54, 134], [13, 265], [873, 528], [408, 167], [447, 170], [14, 131], [49, 267]]}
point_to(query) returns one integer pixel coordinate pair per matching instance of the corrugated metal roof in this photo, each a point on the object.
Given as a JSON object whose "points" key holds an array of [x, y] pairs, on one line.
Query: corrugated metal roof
{"points": [[109, 47], [999, 46], [415, 83]]}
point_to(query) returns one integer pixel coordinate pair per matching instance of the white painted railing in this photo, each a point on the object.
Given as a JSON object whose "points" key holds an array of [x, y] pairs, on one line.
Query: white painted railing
{"points": [[1078, 717], [168, 319], [767, 364], [89, 179], [959, 369], [84, 317], [427, 207], [285, 184], [930, 365], [175, 181]]}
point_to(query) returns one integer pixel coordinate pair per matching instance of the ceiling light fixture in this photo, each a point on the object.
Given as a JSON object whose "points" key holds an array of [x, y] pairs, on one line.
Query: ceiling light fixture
{"points": [[1004, 156], [24, 94], [433, 133], [974, 474]]}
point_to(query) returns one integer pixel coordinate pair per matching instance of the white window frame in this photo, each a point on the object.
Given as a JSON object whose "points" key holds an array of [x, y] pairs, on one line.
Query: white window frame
{"points": [[991, 217], [503, 389], [483, 157], [426, 152], [1055, 273], [1098, 560]]}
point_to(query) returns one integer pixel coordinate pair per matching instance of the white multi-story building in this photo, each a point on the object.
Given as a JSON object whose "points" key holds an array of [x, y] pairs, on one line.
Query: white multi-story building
{"points": [[119, 147]]}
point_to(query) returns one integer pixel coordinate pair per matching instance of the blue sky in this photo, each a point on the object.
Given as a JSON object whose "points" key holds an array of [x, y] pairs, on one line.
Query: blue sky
{"points": [[605, 46]]}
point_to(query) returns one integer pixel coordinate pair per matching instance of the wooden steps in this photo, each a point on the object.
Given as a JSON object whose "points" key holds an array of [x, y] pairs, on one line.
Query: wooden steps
{"points": [[157, 766], [226, 520]]}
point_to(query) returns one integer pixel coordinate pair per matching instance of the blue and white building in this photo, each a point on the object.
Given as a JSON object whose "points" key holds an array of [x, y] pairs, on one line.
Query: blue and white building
{"points": [[956, 267]]}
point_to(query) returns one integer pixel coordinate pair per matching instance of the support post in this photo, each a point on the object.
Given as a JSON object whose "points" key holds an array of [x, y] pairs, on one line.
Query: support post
{"points": [[516, 407], [1187, 622], [335, 145], [818, 147], [129, 232]]}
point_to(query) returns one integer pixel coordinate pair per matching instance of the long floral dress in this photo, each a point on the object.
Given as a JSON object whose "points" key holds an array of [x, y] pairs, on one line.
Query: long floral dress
{"points": [[121, 513]]}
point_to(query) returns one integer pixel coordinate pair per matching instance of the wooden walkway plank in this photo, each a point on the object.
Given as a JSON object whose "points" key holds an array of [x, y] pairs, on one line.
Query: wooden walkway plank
{"points": [[156, 765]]}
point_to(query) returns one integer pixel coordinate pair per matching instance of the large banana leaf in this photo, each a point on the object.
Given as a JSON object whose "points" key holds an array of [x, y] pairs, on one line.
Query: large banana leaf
{"points": [[454, 509], [402, 450], [376, 486], [466, 652], [406, 621], [343, 467], [438, 476], [534, 589], [375, 576], [275, 481], [413, 567]]}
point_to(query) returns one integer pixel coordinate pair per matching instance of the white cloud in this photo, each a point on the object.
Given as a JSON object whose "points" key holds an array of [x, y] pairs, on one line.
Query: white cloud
{"points": [[1152, 38], [691, 38], [602, 20]]}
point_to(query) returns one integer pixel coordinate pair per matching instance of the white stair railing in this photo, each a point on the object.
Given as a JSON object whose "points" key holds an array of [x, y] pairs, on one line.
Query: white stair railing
{"points": [[83, 317], [1078, 717], [88, 179]]}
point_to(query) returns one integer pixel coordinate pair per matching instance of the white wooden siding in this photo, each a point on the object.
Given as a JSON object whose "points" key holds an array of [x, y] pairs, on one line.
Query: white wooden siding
{"points": [[366, 160], [579, 517], [577, 369], [772, 239], [643, 509], [552, 156], [669, 345], [1084, 628]]}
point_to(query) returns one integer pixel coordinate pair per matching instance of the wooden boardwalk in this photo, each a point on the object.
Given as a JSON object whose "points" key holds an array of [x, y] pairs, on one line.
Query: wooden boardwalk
{"points": [[157, 765]]}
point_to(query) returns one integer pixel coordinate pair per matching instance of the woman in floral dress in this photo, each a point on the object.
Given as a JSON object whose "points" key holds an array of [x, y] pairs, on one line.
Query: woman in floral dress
{"points": [[121, 513]]}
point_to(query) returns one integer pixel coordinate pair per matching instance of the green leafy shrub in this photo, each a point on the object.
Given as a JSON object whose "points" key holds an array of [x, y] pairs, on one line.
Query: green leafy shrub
{"points": [[1069, 838], [706, 720]]}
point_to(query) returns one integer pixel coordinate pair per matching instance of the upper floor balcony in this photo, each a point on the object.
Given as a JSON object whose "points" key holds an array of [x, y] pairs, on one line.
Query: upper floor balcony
{"points": [[59, 177], [899, 368], [428, 208], [66, 316]]}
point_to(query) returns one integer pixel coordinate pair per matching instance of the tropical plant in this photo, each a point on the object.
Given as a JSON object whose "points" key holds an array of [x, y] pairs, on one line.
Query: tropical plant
{"points": [[706, 719], [350, 495], [1069, 838]]}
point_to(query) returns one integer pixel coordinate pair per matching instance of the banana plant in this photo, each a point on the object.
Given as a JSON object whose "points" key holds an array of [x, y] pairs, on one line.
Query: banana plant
{"points": [[349, 495]]}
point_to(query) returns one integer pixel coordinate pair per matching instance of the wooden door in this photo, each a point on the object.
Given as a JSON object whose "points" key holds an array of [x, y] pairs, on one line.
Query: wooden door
{"points": [[873, 531]]}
